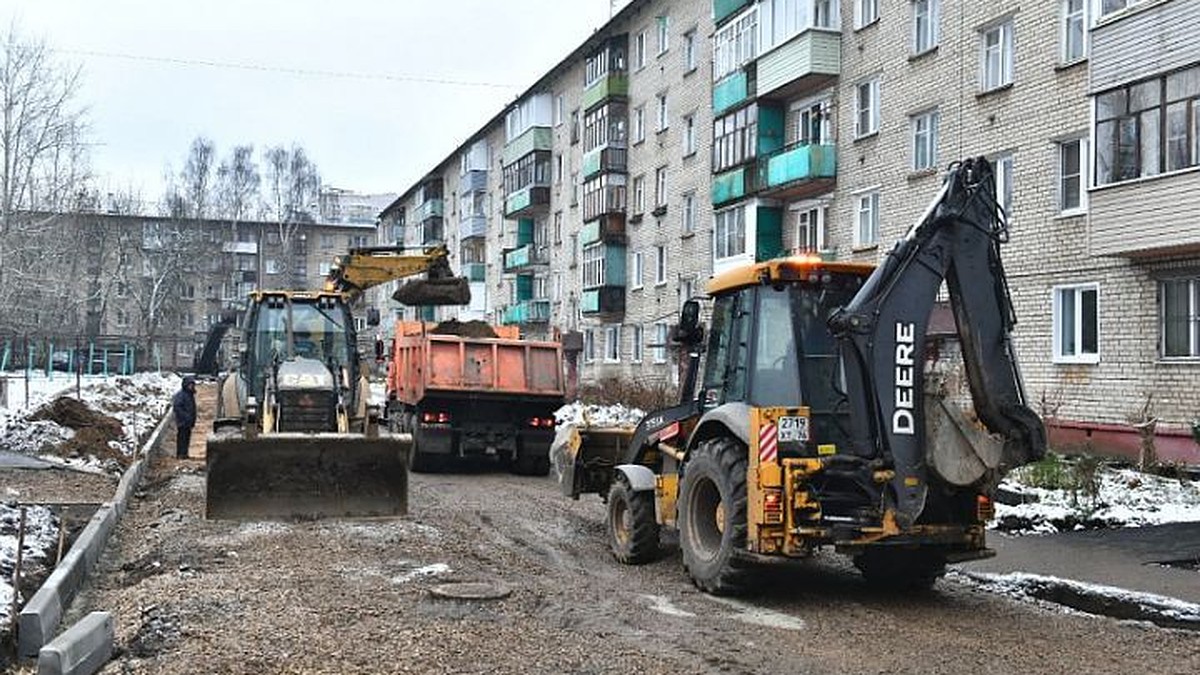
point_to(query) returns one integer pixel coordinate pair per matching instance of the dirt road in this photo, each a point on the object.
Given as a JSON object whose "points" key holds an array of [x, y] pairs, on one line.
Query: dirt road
{"points": [[195, 596]]}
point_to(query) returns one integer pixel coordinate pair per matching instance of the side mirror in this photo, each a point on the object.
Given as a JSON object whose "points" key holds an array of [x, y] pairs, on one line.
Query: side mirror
{"points": [[372, 316], [689, 331]]}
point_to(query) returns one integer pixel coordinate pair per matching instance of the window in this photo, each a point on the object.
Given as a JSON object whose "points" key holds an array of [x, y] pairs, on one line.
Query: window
{"points": [[1003, 168], [609, 58], [122, 290], [1076, 324], [688, 215], [687, 288], [735, 138], [689, 51], [1074, 30], [603, 194], [639, 124], [1180, 317], [729, 232], [1134, 124], [866, 108], [637, 347], [539, 288], [736, 43], [636, 270], [574, 126], [612, 344], [810, 229], [1071, 157], [639, 194], [997, 57], [589, 345], [660, 187], [664, 34], [326, 241], [660, 265], [593, 265], [809, 123], [187, 291], [558, 110], [558, 169], [1112, 6], [531, 170], [660, 342], [866, 12], [558, 287], [558, 227], [689, 135], [664, 118], [604, 126], [924, 140], [122, 318], [273, 266], [639, 50], [866, 228], [925, 25]]}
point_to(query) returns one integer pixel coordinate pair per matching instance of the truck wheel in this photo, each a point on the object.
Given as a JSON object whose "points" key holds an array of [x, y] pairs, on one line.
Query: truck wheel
{"points": [[422, 462], [712, 516], [900, 569], [632, 527]]}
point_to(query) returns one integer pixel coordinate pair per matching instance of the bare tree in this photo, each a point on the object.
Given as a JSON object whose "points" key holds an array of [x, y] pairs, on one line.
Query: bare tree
{"points": [[194, 195], [238, 184], [293, 187], [43, 171], [167, 252]]}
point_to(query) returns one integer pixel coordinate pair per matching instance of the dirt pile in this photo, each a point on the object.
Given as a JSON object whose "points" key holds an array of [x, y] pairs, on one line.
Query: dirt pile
{"points": [[95, 433], [467, 329]]}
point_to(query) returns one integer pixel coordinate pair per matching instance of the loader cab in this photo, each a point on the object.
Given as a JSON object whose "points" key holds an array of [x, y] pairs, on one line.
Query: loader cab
{"points": [[769, 344], [285, 326]]}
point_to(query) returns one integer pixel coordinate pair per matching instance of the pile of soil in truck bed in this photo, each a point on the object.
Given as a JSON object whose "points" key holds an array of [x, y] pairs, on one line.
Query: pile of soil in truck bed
{"points": [[468, 329]]}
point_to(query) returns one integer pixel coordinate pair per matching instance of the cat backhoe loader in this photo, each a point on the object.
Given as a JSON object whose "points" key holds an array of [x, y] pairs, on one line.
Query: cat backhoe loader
{"points": [[295, 434], [813, 425]]}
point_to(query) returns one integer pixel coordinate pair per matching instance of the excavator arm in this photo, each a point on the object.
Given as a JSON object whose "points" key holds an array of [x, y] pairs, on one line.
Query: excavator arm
{"points": [[882, 333], [366, 267]]}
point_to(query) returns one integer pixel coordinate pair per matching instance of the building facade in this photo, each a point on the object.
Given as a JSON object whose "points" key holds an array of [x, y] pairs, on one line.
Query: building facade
{"points": [[687, 137]]}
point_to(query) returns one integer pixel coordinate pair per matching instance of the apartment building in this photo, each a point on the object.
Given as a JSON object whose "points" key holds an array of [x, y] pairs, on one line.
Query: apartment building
{"points": [[684, 138]]}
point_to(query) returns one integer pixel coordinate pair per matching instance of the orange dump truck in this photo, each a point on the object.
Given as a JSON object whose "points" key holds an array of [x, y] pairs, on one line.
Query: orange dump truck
{"points": [[470, 389]]}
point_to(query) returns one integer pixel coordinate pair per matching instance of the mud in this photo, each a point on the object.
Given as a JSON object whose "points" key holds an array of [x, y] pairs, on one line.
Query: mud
{"points": [[469, 329], [94, 432]]}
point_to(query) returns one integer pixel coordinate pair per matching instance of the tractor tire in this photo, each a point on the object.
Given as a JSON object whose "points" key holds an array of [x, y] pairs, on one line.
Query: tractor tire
{"points": [[531, 465], [422, 462], [632, 526], [900, 569], [712, 517]]}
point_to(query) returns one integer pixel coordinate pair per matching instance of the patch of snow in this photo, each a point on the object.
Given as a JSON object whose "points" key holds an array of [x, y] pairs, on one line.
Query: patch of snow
{"points": [[1125, 498], [436, 569], [587, 415], [759, 616], [663, 605], [41, 536]]}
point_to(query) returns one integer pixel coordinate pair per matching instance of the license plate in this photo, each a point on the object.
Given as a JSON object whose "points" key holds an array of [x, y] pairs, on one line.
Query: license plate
{"points": [[793, 429]]}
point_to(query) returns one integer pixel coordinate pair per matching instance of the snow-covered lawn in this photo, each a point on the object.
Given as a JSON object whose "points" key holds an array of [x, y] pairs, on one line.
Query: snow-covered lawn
{"points": [[41, 535]]}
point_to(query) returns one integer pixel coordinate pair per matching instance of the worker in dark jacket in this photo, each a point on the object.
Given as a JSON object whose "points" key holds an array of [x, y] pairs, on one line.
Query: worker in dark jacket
{"points": [[184, 406]]}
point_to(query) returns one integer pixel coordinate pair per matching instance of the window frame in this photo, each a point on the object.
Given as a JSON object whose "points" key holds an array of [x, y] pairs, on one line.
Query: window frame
{"points": [[661, 336], [1192, 319], [874, 101], [931, 34], [637, 345], [639, 194], [722, 238], [926, 140], [1004, 171], [809, 208], [689, 51], [863, 18], [637, 270], [612, 343], [689, 134], [639, 50], [663, 33], [687, 216], [1079, 357], [660, 265], [1081, 143], [1066, 18], [871, 197], [1007, 60], [663, 121], [660, 187]]}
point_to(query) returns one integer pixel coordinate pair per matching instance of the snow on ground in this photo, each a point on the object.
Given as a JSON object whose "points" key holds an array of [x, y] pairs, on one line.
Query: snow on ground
{"points": [[1125, 498], [598, 415], [41, 535]]}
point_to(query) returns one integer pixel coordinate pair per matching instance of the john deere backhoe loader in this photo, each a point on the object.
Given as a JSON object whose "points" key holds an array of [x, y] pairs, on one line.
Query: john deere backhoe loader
{"points": [[812, 425], [295, 434]]}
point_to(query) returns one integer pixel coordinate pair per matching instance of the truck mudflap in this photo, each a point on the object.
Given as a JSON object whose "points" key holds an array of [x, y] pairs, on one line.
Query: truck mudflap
{"points": [[297, 476]]}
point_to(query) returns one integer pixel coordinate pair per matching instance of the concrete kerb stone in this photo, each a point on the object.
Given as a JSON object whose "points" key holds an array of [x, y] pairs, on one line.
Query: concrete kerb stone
{"points": [[40, 618], [82, 649]]}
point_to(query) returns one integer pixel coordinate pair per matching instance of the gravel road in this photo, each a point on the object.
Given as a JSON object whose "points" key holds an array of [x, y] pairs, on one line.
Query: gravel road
{"points": [[353, 596]]}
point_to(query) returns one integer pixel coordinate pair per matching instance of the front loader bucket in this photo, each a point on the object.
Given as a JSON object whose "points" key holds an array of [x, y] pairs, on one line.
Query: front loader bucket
{"points": [[306, 476], [583, 457], [432, 292]]}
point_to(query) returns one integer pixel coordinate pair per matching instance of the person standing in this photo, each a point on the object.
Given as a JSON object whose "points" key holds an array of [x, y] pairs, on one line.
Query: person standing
{"points": [[184, 407]]}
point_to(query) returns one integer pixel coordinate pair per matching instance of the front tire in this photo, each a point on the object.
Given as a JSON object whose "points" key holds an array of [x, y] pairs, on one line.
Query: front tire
{"points": [[712, 516], [632, 527]]}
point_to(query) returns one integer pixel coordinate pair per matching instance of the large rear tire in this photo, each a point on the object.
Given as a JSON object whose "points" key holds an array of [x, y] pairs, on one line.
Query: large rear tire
{"points": [[712, 516], [632, 527], [901, 568]]}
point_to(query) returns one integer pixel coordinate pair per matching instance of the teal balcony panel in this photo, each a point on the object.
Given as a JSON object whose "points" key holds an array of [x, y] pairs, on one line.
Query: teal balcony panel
{"points": [[605, 158], [723, 9], [430, 209], [527, 201], [533, 139], [610, 229], [730, 91], [526, 311], [528, 255], [729, 186], [802, 162], [475, 271], [603, 301], [615, 84]]}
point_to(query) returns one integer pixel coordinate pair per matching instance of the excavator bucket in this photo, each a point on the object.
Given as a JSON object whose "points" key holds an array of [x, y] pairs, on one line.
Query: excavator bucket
{"points": [[295, 476], [429, 292]]}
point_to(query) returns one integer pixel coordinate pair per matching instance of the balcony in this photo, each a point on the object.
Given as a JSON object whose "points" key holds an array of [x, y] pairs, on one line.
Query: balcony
{"points": [[527, 201], [802, 170], [609, 229], [613, 84], [527, 311], [735, 184], [723, 9], [475, 271], [807, 62], [605, 158], [533, 139], [733, 89], [433, 231], [430, 209], [472, 227], [473, 181], [529, 255], [1147, 218], [247, 247], [604, 302]]}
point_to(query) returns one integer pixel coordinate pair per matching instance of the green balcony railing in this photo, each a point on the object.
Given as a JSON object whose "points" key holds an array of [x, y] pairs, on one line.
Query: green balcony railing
{"points": [[525, 256], [526, 311], [526, 200], [533, 138], [730, 91], [475, 271], [431, 208], [615, 84], [801, 162]]}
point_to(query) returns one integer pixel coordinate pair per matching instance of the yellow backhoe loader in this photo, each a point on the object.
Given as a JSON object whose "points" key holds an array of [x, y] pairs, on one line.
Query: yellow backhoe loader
{"points": [[296, 435]]}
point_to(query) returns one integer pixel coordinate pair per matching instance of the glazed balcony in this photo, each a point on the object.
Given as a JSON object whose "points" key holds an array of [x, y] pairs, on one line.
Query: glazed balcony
{"points": [[433, 208], [473, 227], [603, 302], [527, 201], [610, 229], [605, 158], [532, 140], [610, 86], [474, 180]]}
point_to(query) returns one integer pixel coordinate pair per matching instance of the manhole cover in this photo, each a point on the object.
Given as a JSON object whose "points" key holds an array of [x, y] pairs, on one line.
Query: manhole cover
{"points": [[472, 591]]}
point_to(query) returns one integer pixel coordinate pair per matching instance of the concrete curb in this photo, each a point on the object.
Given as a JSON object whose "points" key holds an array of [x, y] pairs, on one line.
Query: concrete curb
{"points": [[40, 618], [82, 649]]}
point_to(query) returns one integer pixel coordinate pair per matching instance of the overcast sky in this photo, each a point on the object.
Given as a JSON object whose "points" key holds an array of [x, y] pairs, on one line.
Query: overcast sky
{"points": [[337, 81]]}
